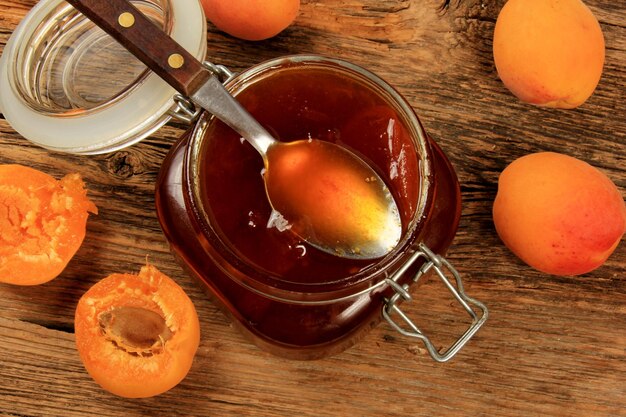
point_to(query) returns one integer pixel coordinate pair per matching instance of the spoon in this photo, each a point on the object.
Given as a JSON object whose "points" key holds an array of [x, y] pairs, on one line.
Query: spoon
{"points": [[326, 194]]}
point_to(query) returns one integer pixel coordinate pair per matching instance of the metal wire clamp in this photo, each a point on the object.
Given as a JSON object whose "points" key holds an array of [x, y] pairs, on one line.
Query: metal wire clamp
{"points": [[439, 265], [185, 111]]}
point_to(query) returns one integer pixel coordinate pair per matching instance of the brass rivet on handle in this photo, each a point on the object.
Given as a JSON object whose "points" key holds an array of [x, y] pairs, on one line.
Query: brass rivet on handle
{"points": [[126, 19], [175, 61]]}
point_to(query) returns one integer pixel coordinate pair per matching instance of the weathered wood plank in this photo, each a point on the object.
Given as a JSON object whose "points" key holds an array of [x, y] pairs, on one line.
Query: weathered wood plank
{"points": [[552, 346]]}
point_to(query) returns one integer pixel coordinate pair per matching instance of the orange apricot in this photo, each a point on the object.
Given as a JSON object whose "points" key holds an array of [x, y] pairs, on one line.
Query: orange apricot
{"points": [[558, 214], [137, 335], [42, 223], [549, 52], [251, 20]]}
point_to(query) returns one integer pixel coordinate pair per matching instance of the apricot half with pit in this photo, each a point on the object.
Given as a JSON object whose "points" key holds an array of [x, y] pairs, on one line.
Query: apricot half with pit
{"points": [[549, 52], [558, 214], [137, 335]]}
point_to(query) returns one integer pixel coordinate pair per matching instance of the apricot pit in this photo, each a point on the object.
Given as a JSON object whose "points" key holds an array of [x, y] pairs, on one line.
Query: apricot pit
{"points": [[135, 330]]}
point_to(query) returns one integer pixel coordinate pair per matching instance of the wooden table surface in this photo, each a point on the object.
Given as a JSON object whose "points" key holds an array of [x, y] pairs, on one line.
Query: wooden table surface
{"points": [[552, 345]]}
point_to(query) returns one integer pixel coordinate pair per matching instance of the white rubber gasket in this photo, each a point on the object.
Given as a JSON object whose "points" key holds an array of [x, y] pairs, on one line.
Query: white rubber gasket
{"points": [[130, 119]]}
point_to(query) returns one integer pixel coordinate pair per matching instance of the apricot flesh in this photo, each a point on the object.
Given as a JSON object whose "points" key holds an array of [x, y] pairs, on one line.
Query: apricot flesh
{"points": [[549, 52], [558, 214], [137, 335], [43, 223]]}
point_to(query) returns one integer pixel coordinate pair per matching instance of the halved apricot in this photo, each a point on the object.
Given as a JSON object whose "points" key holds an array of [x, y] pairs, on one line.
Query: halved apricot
{"points": [[137, 335], [42, 223]]}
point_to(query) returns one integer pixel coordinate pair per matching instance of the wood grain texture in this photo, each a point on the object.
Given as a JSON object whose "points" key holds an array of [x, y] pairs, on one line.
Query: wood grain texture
{"points": [[552, 346]]}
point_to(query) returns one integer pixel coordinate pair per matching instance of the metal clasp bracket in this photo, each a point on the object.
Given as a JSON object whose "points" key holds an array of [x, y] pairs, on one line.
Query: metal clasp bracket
{"points": [[439, 264], [185, 111]]}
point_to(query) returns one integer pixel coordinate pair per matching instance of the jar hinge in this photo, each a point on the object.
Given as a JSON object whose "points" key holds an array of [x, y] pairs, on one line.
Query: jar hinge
{"points": [[185, 111], [439, 264]]}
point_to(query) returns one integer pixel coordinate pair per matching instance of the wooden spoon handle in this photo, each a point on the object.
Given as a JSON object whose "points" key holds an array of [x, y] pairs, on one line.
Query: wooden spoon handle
{"points": [[145, 40]]}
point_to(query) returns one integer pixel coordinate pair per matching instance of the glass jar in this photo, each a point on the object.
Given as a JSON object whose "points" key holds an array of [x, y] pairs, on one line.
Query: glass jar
{"points": [[67, 86], [285, 295]]}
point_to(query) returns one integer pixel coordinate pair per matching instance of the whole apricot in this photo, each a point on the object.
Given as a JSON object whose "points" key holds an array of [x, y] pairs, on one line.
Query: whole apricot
{"points": [[558, 214], [252, 20], [549, 52]]}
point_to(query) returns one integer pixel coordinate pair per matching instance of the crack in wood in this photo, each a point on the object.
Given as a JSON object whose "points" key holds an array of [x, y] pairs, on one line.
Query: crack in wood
{"points": [[59, 327]]}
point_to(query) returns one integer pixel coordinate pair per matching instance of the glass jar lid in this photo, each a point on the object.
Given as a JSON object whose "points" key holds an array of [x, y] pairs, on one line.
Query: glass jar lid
{"points": [[67, 86]]}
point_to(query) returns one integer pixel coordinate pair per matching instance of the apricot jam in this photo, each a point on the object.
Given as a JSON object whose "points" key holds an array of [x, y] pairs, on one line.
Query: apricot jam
{"points": [[290, 298], [295, 104]]}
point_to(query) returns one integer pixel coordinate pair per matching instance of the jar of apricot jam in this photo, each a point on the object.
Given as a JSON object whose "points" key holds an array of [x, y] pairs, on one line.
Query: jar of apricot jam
{"points": [[290, 298]]}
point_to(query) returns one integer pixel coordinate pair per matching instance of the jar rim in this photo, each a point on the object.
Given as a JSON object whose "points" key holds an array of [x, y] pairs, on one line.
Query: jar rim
{"points": [[345, 287]]}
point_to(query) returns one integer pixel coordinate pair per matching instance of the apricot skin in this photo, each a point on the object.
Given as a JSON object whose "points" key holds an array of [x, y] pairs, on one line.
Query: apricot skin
{"points": [[252, 20], [549, 52], [558, 214]]}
